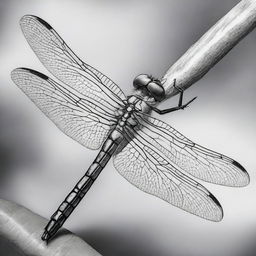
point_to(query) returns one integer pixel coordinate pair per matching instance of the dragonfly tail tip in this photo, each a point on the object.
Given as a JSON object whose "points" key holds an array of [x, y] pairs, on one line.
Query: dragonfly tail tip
{"points": [[45, 237]]}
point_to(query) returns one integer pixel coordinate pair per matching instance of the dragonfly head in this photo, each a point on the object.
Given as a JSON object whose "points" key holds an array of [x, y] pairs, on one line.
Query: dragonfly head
{"points": [[150, 86]]}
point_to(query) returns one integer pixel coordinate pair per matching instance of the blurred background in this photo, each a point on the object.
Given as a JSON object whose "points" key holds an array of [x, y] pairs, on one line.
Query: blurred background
{"points": [[39, 164]]}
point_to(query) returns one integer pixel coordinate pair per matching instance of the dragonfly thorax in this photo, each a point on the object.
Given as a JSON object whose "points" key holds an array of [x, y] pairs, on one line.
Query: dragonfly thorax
{"points": [[138, 104], [149, 86]]}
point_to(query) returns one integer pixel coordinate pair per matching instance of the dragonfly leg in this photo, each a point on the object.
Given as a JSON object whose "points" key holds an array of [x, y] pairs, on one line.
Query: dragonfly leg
{"points": [[180, 105]]}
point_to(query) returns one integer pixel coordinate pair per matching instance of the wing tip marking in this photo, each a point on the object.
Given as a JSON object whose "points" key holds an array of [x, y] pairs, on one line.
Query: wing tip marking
{"points": [[33, 17], [218, 205], [34, 72], [246, 177]]}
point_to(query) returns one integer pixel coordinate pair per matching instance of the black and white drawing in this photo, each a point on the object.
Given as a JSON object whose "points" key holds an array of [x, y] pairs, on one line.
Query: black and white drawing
{"points": [[90, 108]]}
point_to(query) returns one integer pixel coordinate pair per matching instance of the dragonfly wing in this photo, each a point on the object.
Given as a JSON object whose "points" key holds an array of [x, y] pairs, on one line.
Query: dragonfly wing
{"points": [[144, 165], [196, 160], [62, 62], [77, 115]]}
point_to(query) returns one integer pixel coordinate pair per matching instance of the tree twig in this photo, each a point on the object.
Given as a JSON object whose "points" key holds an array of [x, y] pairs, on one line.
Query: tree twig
{"points": [[211, 47], [24, 228]]}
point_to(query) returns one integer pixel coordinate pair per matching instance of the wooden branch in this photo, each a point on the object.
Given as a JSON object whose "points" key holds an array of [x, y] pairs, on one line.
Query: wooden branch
{"points": [[211, 47], [24, 229]]}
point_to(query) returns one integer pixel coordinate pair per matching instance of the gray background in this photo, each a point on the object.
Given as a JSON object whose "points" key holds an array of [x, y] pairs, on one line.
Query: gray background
{"points": [[39, 164]]}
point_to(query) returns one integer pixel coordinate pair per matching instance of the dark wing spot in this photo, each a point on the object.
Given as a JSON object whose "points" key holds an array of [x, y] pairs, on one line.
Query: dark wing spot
{"points": [[215, 200], [239, 166], [34, 72], [43, 22]]}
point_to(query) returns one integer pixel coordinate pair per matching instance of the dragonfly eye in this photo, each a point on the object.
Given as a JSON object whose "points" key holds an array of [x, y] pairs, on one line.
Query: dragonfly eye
{"points": [[141, 81], [156, 90]]}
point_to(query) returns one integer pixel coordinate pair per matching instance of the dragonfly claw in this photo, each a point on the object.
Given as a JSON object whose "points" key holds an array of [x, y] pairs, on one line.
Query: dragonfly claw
{"points": [[188, 103]]}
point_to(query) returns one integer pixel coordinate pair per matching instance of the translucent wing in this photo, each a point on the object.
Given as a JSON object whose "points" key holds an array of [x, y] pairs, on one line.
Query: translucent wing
{"points": [[144, 165], [61, 61], [77, 115], [198, 161]]}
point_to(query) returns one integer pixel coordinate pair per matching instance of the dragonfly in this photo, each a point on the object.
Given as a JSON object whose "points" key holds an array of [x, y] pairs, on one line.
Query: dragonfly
{"points": [[91, 109]]}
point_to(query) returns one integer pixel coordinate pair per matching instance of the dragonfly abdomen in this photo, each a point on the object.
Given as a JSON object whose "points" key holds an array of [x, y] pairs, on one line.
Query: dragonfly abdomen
{"points": [[83, 185]]}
